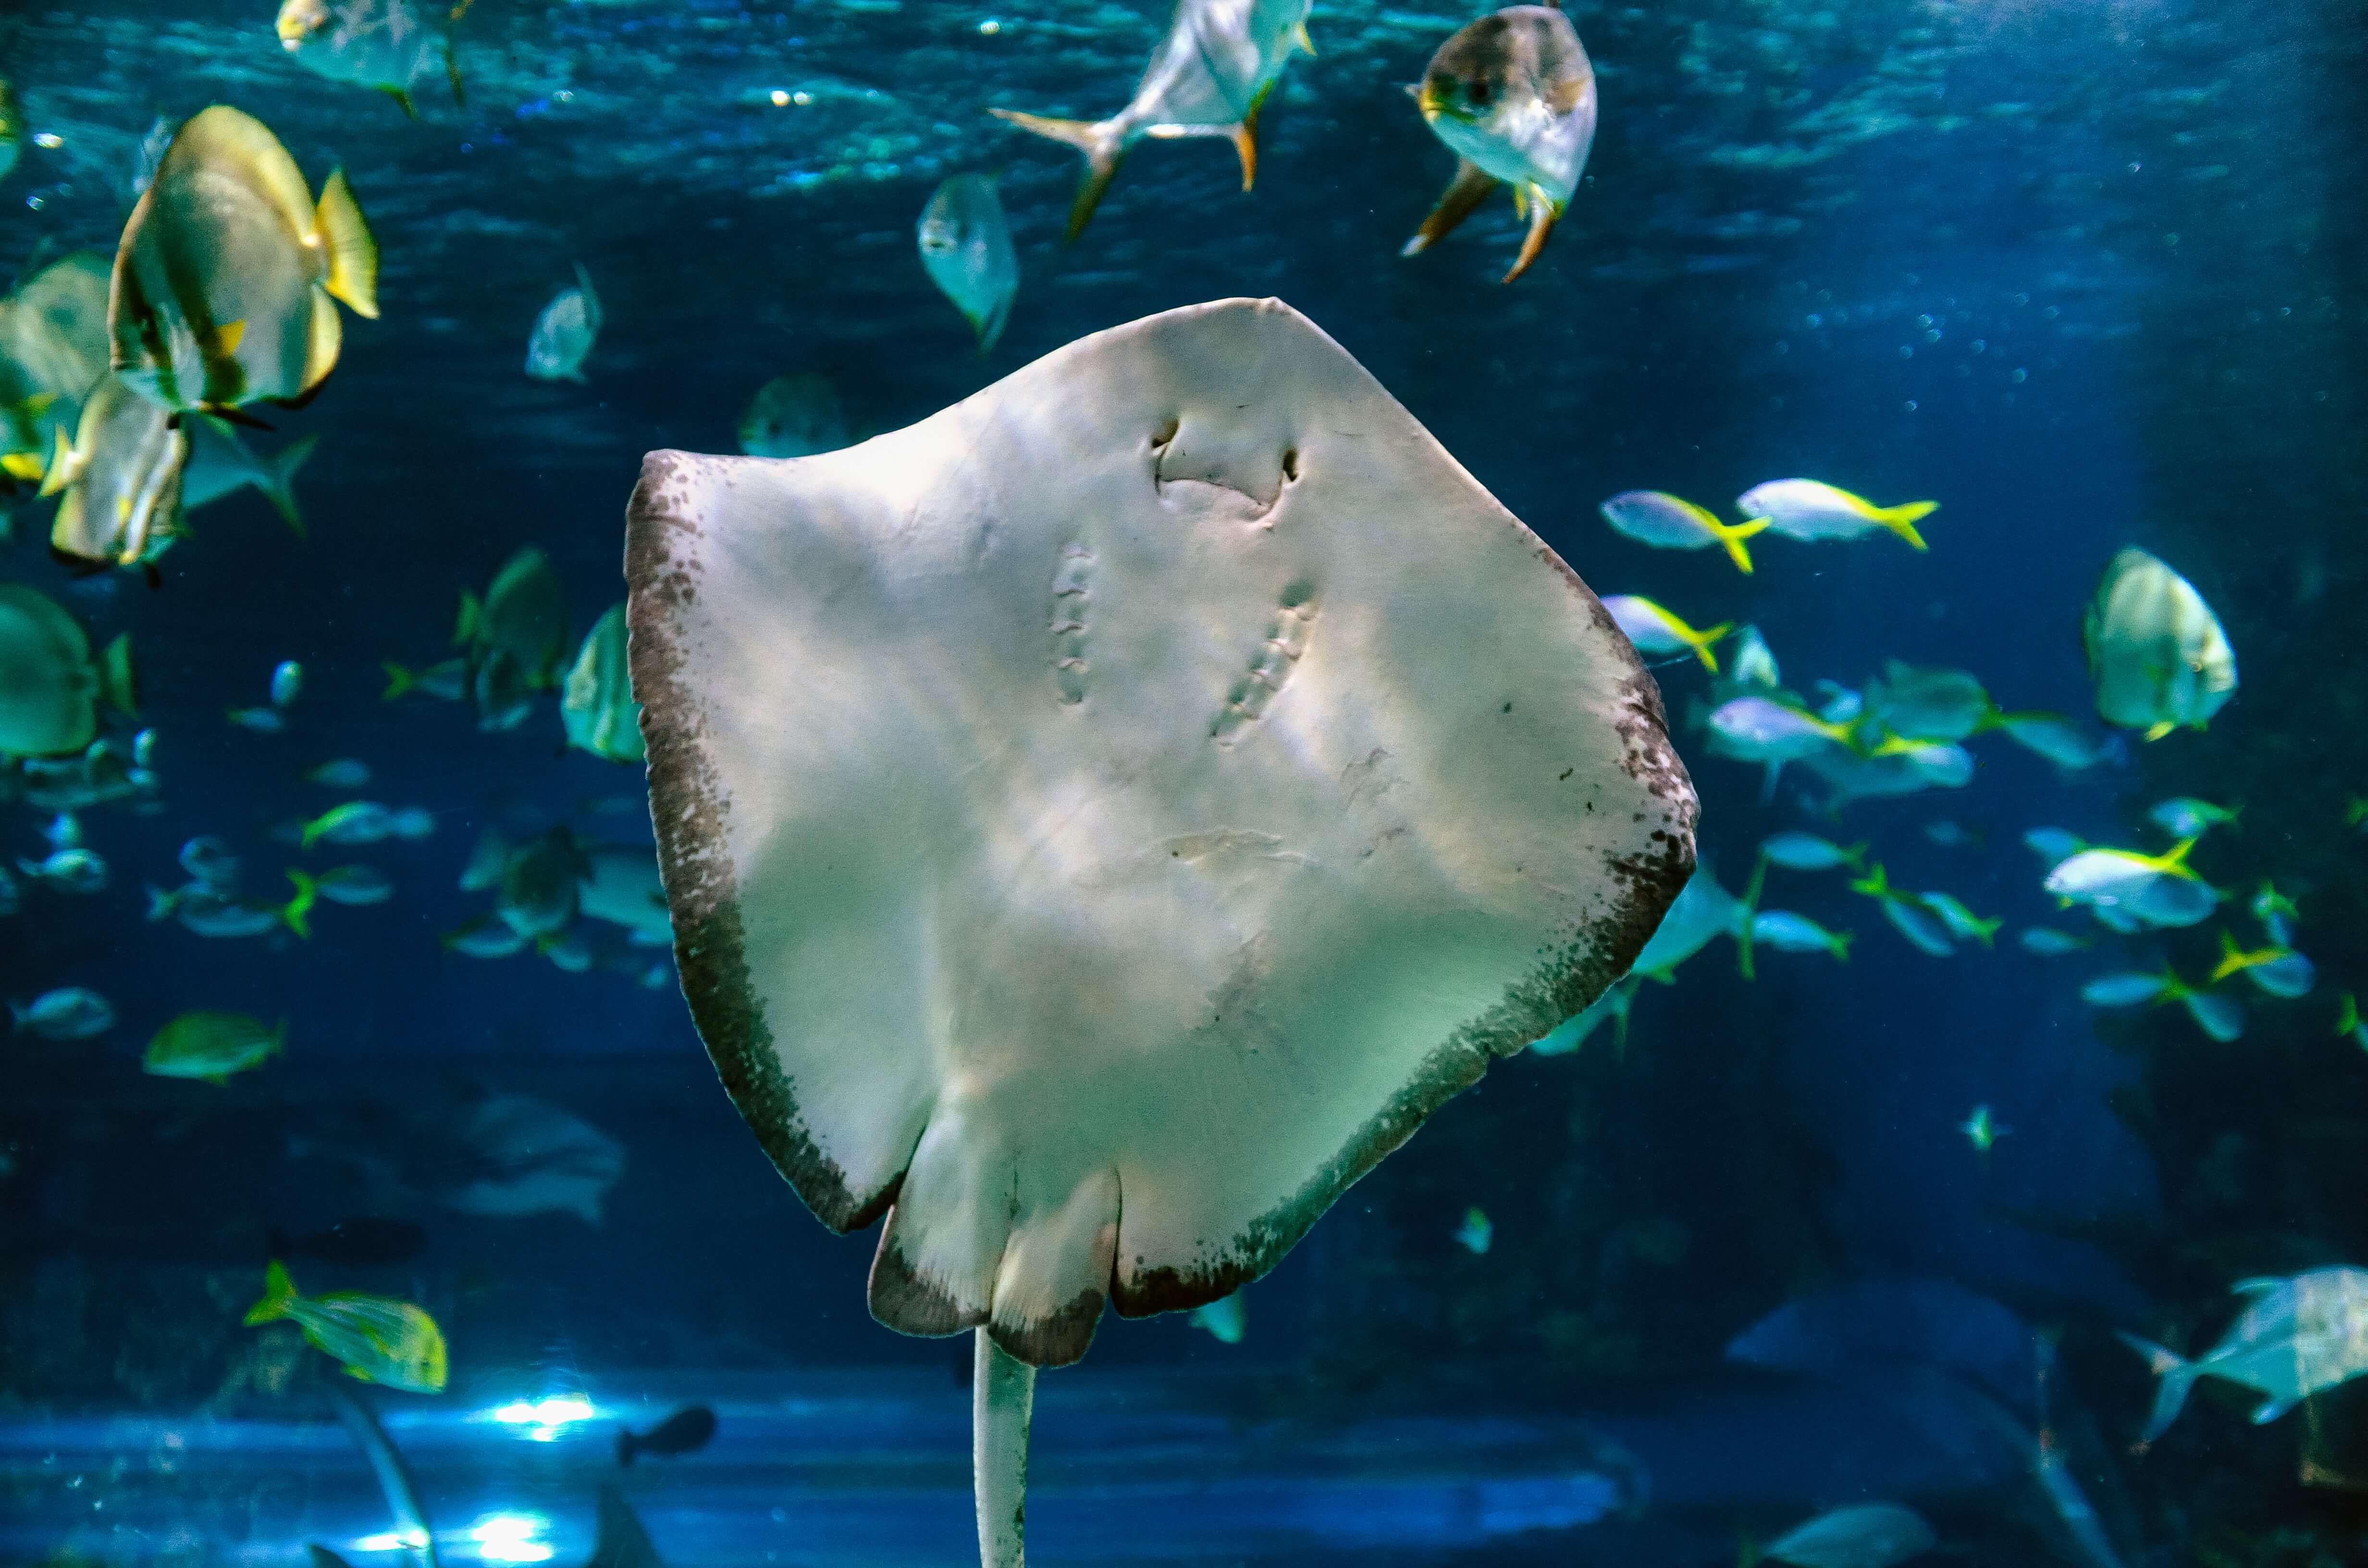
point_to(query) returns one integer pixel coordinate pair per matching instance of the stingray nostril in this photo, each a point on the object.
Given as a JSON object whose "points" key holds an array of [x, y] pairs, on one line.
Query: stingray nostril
{"points": [[1164, 434], [1291, 463]]}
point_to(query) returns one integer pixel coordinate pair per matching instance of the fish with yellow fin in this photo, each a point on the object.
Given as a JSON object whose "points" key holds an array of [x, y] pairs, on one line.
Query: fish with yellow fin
{"points": [[379, 1340], [1209, 76], [1513, 97], [1809, 510], [228, 274], [384, 44], [120, 477]]}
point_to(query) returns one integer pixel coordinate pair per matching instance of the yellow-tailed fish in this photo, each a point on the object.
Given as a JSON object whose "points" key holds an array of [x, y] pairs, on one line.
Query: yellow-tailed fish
{"points": [[1668, 522], [227, 276], [120, 477], [2156, 651], [1807, 510], [384, 44], [213, 1046], [375, 1338], [1659, 632], [1513, 98], [596, 702], [1209, 77], [966, 249]]}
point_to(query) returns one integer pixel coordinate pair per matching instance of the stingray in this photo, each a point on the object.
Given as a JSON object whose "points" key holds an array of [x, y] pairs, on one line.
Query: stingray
{"points": [[1101, 820]]}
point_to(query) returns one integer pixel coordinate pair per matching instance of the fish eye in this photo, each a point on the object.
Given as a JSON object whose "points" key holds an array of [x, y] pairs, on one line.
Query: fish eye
{"points": [[1477, 89]]}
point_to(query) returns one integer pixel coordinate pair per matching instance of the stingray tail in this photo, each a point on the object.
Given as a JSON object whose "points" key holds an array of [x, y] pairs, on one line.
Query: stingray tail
{"points": [[1099, 141]]}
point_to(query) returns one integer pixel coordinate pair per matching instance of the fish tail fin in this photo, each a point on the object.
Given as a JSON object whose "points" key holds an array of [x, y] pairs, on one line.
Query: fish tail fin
{"points": [[2232, 959], [353, 255], [2178, 1374], [2174, 860], [1985, 931], [464, 630], [65, 467], [1104, 149], [626, 1447], [159, 904], [118, 677], [1902, 520], [1838, 945], [297, 911], [1855, 854], [1700, 643], [17, 1016], [1732, 536], [2347, 1018], [1462, 198], [1300, 34], [398, 680], [279, 479], [278, 1295], [1543, 213]]}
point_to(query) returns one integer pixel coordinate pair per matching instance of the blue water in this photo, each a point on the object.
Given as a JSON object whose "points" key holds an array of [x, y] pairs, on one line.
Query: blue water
{"points": [[2085, 273]]}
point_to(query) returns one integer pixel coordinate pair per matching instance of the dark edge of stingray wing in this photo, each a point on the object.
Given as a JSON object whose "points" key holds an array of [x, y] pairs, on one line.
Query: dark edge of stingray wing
{"points": [[1570, 975], [689, 803]]}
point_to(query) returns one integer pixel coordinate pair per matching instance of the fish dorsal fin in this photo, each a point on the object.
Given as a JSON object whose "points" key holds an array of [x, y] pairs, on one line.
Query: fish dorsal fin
{"points": [[352, 254], [2258, 1285]]}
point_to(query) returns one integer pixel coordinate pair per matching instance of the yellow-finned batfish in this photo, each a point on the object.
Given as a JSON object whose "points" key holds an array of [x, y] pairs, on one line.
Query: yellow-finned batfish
{"points": [[1665, 522], [375, 1338], [516, 636], [966, 250], [1209, 77], [794, 416], [1658, 632], [2156, 651], [227, 276], [385, 44], [1513, 97], [53, 349], [1807, 510], [49, 688], [596, 702], [564, 333], [121, 481]]}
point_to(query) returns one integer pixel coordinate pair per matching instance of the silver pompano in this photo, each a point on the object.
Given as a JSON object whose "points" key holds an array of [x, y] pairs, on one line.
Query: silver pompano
{"points": [[794, 416], [1513, 98], [2156, 651], [2298, 1337], [564, 333], [224, 278], [965, 244], [596, 704], [385, 44], [1209, 76]]}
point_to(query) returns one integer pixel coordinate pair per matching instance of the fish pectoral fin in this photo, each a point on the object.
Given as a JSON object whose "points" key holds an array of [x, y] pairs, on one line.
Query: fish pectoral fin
{"points": [[402, 100], [1246, 143], [353, 255], [1543, 213], [1462, 197]]}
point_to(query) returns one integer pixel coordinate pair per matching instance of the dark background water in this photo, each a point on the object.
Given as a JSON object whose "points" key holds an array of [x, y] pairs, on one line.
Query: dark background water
{"points": [[2087, 273]]}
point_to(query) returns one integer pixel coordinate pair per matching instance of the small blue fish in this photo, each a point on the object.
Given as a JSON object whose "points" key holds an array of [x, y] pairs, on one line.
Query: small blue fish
{"points": [[1476, 1233]]}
